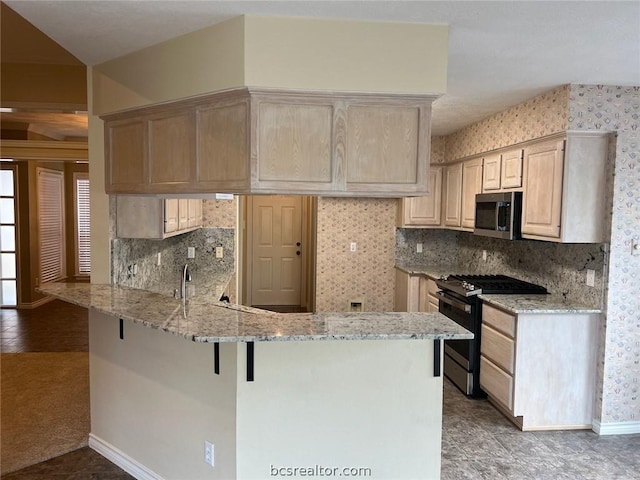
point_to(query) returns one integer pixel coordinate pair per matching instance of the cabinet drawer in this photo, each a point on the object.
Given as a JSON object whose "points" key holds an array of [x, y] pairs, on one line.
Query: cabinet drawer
{"points": [[501, 321], [498, 347], [496, 382]]}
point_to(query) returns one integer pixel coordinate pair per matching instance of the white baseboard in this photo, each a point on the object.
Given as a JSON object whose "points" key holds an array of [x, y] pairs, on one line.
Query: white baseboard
{"points": [[616, 428], [121, 459]]}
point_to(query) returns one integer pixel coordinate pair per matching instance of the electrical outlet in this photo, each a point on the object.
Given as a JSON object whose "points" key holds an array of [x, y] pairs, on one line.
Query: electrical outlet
{"points": [[353, 247], [591, 278], [219, 252], [191, 252], [419, 248], [209, 453]]}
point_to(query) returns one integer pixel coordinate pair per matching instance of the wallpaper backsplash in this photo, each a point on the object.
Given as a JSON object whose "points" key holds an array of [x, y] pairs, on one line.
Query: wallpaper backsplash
{"points": [[205, 268], [368, 274]]}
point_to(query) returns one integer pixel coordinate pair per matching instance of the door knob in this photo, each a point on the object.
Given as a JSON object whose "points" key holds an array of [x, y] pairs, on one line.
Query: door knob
{"points": [[298, 252], [297, 244]]}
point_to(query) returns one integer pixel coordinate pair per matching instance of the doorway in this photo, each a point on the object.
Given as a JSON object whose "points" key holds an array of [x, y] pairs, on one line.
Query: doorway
{"points": [[278, 252]]}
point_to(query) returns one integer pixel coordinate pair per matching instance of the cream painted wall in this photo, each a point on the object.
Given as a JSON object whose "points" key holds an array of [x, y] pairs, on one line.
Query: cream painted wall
{"points": [[330, 54], [372, 404], [155, 397], [200, 62]]}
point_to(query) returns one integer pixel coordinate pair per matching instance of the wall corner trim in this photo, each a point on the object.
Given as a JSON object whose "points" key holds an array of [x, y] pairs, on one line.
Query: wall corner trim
{"points": [[615, 428], [121, 459]]}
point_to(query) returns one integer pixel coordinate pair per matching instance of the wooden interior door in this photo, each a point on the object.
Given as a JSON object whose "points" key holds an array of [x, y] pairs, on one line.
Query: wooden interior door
{"points": [[276, 250]]}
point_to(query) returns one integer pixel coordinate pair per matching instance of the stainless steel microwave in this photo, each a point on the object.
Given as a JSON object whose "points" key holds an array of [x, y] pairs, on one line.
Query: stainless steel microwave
{"points": [[498, 215]]}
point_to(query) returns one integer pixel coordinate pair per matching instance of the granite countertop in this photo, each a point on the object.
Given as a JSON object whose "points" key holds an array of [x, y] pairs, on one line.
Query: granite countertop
{"points": [[542, 304], [205, 320]]}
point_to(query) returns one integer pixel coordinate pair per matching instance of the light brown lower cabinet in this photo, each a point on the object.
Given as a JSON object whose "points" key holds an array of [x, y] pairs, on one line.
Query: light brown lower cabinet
{"points": [[415, 293], [539, 369]]}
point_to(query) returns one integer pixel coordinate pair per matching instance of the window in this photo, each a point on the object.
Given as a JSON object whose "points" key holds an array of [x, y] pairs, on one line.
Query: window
{"points": [[83, 224], [8, 270], [51, 224]]}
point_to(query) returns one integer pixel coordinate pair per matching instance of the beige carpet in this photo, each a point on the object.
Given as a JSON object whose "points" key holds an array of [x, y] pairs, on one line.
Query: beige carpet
{"points": [[45, 406]]}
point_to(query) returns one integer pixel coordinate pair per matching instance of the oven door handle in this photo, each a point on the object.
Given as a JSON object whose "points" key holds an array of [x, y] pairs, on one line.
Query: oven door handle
{"points": [[454, 303]]}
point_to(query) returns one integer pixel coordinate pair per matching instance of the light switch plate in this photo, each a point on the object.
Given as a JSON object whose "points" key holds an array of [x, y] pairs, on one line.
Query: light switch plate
{"points": [[191, 252], [219, 252], [591, 278], [419, 248], [353, 247]]}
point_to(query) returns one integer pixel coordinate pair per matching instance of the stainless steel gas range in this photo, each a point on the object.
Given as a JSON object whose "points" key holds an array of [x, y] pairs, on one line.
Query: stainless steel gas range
{"points": [[458, 300]]}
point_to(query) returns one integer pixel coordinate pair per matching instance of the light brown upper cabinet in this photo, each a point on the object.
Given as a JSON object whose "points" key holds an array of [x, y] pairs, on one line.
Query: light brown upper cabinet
{"points": [[511, 170], [452, 195], [471, 185], [156, 218], [424, 211], [254, 141], [502, 171], [564, 188], [491, 173]]}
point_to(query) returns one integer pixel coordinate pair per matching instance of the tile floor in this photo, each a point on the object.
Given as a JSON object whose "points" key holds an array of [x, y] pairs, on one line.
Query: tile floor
{"points": [[56, 326], [83, 464], [477, 441]]}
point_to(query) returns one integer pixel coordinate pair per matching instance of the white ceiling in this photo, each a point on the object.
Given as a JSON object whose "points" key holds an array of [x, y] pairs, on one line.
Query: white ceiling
{"points": [[500, 53]]}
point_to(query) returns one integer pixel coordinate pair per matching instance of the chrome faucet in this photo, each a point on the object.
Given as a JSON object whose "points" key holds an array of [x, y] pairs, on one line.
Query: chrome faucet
{"points": [[186, 277]]}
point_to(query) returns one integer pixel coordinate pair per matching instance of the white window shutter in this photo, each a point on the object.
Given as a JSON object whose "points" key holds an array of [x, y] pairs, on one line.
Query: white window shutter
{"points": [[51, 224], [83, 225]]}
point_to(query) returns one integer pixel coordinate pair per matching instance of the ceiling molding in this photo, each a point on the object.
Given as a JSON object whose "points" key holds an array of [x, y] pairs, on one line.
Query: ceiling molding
{"points": [[44, 150]]}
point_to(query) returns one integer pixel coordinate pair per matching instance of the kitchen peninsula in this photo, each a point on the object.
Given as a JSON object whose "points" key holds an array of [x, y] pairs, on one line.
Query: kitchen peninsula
{"points": [[300, 396]]}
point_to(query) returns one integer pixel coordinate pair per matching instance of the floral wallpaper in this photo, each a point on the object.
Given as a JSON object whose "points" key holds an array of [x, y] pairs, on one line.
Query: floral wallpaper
{"points": [[617, 108], [368, 274], [219, 213], [542, 115]]}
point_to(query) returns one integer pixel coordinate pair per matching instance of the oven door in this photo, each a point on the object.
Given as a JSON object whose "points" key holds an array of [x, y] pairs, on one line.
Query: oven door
{"points": [[461, 362], [460, 311]]}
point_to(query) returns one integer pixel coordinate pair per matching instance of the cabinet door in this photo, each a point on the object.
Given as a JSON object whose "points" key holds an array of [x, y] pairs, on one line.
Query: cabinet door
{"points": [[453, 195], [195, 212], [407, 292], [183, 213], [126, 154], [172, 139], [511, 175], [382, 145], [542, 197], [471, 185], [425, 211], [491, 173], [171, 215]]}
